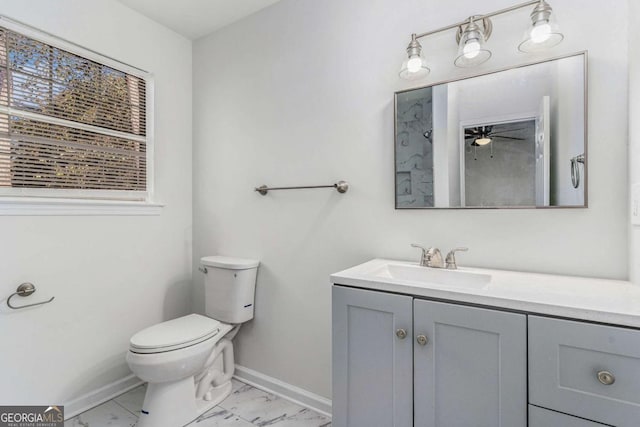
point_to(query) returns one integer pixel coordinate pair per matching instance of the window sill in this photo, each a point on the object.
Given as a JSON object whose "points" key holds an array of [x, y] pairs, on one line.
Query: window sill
{"points": [[19, 206]]}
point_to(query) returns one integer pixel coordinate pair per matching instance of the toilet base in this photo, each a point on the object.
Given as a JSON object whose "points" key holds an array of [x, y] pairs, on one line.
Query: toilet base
{"points": [[215, 396], [172, 404]]}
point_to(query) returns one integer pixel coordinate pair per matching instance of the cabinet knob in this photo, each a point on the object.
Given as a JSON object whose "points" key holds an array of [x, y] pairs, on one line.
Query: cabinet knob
{"points": [[401, 333], [422, 339], [606, 377]]}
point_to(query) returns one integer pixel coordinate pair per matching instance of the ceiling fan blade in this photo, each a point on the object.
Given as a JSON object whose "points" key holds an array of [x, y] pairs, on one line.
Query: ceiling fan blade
{"points": [[507, 130], [510, 137]]}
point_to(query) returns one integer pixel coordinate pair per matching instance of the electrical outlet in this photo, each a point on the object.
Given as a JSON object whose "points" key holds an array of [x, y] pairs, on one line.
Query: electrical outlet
{"points": [[635, 204]]}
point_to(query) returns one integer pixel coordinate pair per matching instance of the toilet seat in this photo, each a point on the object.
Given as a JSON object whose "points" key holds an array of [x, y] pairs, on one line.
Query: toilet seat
{"points": [[175, 334]]}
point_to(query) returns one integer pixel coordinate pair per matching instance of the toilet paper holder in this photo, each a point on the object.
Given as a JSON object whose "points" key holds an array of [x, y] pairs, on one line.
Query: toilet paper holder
{"points": [[24, 290]]}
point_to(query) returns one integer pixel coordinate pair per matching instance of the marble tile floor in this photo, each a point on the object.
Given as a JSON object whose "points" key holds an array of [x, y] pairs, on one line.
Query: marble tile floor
{"points": [[247, 406]]}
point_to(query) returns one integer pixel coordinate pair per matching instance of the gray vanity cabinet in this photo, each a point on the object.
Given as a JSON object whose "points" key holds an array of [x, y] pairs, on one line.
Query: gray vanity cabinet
{"points": [[590, 371], [469, 366], [402, 362], [540, 417], [372, 359]]}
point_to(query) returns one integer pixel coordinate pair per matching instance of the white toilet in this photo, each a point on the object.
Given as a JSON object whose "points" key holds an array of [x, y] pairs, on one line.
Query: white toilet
{"points": [[188, 362]]}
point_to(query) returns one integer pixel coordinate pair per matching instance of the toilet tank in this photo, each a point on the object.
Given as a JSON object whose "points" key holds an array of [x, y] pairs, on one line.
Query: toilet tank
{"points": [[229, 287]]}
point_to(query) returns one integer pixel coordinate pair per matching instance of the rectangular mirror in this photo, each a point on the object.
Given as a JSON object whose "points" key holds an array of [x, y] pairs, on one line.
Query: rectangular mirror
{"points": [[510, 139]]}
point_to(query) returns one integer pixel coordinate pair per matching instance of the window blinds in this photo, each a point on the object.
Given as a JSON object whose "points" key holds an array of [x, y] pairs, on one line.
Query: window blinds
{"points": [[68, 122]]}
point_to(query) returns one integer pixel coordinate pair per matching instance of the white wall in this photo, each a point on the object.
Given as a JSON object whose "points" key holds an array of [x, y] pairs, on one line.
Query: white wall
{"points": [[507, 96], [441, 147], [111, 276], [567, 126], [634, 132], [302, 93]]}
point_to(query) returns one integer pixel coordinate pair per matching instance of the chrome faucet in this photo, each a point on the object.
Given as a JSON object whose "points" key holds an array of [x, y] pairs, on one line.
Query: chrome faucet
{"points": [[451, 258], [430, 257]]}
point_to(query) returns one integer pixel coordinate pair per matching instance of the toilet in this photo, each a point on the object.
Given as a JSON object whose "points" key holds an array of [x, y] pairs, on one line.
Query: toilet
{"points": [[188, 362]]}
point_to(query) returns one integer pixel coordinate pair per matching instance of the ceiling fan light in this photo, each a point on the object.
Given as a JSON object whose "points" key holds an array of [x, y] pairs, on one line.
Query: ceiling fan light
{"points": [[482, 141]]}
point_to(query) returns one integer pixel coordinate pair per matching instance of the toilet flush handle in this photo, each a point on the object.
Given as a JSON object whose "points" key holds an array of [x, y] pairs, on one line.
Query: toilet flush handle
{"points": [[203, 269]]}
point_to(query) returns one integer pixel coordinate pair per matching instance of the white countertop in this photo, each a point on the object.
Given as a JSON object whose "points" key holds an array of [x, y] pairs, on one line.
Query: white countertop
{"points": [[599, 300]]}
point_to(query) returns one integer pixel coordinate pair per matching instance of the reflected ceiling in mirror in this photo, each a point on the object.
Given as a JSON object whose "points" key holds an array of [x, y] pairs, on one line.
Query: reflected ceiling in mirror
{"points": [[510, 139]]}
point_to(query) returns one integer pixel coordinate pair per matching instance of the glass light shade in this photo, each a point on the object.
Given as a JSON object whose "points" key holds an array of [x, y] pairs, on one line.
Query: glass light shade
{"points": [[414, 68], [482, 141], [472, 52], [543, 34]]}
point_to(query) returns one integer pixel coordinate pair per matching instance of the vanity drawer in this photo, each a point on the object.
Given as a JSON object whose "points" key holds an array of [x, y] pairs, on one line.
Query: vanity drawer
{"points": [[591, 371], [540, 417]]}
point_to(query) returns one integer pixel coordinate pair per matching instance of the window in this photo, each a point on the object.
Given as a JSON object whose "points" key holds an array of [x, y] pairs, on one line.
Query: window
{"points": [[73, 124]]}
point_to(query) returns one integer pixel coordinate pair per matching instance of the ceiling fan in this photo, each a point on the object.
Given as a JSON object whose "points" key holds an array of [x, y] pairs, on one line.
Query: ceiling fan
{"points": [[483, 135]]}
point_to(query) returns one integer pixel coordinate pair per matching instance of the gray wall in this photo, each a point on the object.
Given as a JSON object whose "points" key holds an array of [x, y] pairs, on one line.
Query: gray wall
{"points": [[302, 93], [504, 172]]}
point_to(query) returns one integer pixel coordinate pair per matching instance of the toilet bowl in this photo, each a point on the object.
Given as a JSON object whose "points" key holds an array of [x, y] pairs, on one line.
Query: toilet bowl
{"points": [[188, 362]]}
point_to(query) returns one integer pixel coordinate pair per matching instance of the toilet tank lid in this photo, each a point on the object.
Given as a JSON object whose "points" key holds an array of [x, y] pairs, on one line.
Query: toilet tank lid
{"points": [[231, 263]]}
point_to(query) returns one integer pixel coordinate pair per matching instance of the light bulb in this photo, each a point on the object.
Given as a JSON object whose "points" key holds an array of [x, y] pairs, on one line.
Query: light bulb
{"points": [[471, 49], [414, 64], [483, 141], [541, 32]]}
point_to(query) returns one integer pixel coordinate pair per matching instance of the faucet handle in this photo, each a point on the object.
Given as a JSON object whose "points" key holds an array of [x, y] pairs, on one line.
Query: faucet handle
{"points": [[451, 258], [424, 258]]}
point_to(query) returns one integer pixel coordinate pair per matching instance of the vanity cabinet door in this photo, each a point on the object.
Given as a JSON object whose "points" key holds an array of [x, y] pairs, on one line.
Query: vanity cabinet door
{"points": [[372, 359], [591, 371], [470, 366], [539, 417]]}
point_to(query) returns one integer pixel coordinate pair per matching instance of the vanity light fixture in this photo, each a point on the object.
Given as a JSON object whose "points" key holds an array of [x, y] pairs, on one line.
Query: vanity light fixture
{"points": [[473, 33], [544, 33], [471, 43], [414, 67]]}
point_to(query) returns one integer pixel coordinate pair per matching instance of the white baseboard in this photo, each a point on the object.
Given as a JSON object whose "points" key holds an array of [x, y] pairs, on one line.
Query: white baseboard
{"points": [[287, 391], [99, 396], [256, 379]]}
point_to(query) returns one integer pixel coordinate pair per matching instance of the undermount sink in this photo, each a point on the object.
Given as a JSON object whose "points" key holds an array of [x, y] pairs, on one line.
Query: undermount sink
{"points": [[434, 276]]}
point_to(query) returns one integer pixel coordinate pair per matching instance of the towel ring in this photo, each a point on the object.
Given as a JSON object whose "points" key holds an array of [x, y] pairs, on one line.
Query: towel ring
{"points": [[575, 170], [24, 290]]}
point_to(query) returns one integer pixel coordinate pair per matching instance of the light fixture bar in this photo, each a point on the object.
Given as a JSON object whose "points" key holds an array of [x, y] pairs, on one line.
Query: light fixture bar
{"points": [[476, 17], [473, 33]]}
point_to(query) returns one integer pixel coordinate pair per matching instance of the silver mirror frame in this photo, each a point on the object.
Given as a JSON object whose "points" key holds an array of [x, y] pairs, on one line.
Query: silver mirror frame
{"points": [[584, 54]]}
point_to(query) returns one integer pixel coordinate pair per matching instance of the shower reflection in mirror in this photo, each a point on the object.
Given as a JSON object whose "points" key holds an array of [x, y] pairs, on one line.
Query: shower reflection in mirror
{"points": [[514, 138], [414, 150]]}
